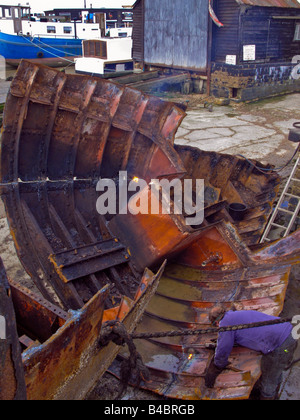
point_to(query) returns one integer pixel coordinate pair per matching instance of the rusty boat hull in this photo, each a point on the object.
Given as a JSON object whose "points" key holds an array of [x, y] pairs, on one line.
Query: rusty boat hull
{"points": [[186, 294], [55, 355], [61, 134]]}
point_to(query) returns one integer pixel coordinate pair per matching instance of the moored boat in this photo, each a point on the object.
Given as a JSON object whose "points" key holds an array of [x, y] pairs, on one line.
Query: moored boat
{"points": [[51, 40]]}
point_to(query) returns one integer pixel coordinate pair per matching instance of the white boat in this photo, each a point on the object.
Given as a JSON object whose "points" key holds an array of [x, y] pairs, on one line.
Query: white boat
{"points": [[106, 56], [49, 40]]}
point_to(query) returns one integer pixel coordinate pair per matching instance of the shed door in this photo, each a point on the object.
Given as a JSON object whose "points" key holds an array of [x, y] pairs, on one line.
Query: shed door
{"points": [[176, 33]]}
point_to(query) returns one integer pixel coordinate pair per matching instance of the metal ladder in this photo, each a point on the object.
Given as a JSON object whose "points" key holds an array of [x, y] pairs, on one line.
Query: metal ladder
{"points": [[285, 196]]}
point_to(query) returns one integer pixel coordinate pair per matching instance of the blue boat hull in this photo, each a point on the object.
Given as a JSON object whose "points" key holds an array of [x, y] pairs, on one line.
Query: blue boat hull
{"points": [[50, 51]]}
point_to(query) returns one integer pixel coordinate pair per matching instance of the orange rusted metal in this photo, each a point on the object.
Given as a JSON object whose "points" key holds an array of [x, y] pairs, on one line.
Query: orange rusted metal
{"points": [[189, 289], [61, 358], [69, 363], [61, 133]]}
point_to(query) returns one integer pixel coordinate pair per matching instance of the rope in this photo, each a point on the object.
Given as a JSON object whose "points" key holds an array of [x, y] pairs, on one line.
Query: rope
{"points": [[56, 49], [49, 52], [133, 369]]}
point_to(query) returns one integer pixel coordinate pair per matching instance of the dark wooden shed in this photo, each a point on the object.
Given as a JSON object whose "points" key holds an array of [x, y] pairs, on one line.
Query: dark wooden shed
{"points": [[272, 26], [249, 51], [255, 52]]}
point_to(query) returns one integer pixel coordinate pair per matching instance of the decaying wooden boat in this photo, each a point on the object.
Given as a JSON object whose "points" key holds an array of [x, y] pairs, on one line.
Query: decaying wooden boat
{"points": [[61, 134]]}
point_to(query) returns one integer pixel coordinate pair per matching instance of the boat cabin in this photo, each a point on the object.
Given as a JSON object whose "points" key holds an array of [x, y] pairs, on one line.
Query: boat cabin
{"points": [[8, 12], [18, 20], [105, 56]]}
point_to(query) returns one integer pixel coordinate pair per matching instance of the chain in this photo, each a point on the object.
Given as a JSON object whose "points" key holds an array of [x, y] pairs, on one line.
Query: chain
{"points": [[180, 333]]}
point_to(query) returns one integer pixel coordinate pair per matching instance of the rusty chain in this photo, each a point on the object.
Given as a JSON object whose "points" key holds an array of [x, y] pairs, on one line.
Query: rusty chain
{"points": [[138, 336], [111, 331]]}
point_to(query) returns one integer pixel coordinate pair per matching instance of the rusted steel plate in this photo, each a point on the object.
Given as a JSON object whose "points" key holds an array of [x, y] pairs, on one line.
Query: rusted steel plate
{"points": [[80, 120], [12, 382], [57, 232], [35, 314], [69, 363], [83, 261], [282, 249], [227, 180], [50, 368], [151, 238], [62, 360], [237, 181], [184, 378]]}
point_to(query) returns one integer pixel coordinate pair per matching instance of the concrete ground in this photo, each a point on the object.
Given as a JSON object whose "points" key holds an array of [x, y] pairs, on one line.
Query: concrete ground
{"points": [[258, 131]]}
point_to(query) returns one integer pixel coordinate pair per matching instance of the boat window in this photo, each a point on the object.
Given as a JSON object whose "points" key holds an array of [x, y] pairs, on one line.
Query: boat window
{"points": [[51, 29], [7, 11], [95, 48], [67, 29], [17, 13]]}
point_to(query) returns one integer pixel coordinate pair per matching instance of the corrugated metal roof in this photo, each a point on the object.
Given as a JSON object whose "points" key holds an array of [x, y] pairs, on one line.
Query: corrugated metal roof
{"points": [[271, 3]]}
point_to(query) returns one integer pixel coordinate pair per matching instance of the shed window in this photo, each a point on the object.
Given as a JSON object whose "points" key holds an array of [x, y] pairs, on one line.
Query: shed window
{"points": [[297, 32], [51, 30]]}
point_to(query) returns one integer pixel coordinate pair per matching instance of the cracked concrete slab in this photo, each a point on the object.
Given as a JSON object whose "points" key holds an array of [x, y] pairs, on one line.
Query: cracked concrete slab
{"points": [[252, 132], [258, 131]]}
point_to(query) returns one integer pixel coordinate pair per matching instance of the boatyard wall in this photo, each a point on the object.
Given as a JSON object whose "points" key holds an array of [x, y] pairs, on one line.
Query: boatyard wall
{"points": [[249, 82], [271, 29]]}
